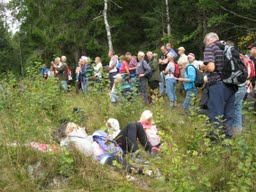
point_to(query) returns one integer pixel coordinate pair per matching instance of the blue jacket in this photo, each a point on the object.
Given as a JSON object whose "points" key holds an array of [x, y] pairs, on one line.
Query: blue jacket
{"points": [[109, 147], [190, 73]]}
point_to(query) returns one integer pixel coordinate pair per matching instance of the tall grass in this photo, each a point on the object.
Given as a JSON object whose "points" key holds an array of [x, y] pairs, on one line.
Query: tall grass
{"points": [[32, 108]]}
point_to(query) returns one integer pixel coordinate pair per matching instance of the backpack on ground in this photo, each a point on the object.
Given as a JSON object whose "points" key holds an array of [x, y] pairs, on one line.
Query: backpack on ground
{"points": [[249, 64], [234, 71], [176, 70], [199, 80]]}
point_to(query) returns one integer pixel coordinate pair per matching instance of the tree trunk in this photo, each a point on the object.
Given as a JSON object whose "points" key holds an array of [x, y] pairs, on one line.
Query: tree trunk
{"points": [[168, 17], [105, 15]]}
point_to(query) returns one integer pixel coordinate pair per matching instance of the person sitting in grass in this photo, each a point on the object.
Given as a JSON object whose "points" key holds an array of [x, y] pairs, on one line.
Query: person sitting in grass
{"points": [[142, 131], [99, 145]]}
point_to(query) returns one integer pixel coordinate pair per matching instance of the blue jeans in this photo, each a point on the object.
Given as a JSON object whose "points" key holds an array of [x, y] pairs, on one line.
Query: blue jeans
{"points": [[162, 83], [221, 106], [84, 85], [239, 96], [171, 89], [190, 95]]}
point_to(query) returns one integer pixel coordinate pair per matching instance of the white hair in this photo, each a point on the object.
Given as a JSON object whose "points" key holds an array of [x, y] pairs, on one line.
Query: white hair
{"points": [[141, 54], [64, 58], [146, 115], [212, 36], [113, 128]]}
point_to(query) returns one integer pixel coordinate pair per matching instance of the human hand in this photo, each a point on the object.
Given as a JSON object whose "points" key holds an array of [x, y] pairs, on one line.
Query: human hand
{"points": [[155, 150], [141, 75]]}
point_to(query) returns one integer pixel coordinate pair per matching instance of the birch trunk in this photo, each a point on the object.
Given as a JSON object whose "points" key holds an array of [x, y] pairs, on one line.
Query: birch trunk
{"points": [[168, 17], [105, 15]]}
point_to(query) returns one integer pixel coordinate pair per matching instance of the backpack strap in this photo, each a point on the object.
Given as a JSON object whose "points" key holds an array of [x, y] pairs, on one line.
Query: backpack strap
{"points": [[189, 65]]}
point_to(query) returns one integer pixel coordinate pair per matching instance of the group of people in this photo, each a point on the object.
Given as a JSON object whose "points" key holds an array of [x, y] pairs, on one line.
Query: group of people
{"points": [[225, 75], [149, 72], [112, 144]]}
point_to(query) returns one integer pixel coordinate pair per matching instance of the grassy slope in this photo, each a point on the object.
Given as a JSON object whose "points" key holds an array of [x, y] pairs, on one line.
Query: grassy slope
{"points": [[191, 164]]}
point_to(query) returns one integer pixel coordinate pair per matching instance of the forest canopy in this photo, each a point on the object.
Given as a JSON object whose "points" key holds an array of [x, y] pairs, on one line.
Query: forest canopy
{"points": [[76, 27]]}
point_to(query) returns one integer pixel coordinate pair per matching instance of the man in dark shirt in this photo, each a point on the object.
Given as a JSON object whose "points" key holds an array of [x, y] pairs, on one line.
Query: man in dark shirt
{"points": [[221, 97]]}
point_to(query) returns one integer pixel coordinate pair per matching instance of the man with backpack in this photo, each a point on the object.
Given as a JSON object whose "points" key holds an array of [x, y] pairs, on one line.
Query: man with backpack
{"points": [[191, 76], [221, 96]]}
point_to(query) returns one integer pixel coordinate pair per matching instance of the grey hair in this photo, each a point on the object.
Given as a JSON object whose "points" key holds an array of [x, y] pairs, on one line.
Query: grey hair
{"points": [[211, 35], [141, 54]]}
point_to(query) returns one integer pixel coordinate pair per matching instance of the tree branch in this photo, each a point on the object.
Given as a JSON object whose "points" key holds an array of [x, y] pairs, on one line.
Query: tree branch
{"points": [[238, 15], [116, 4]]}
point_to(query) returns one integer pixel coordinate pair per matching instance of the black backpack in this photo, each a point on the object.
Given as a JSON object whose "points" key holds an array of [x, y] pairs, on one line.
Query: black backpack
{"points": [[150, 73], [234, 71], [199, 81]]}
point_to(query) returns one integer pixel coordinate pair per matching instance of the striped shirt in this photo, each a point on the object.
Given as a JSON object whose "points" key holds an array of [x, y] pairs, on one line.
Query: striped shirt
{"points": [[213, 53]]}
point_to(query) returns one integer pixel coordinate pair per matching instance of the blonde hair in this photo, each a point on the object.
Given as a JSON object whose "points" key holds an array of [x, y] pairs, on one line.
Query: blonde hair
{"points": [[97, 59], [118, 78], [141, 54], [146, 115], [57, 59]]}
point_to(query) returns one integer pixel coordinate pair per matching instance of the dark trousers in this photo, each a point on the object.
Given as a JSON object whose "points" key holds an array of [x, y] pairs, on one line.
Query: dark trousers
{"points": [[221, 106], [144, 89], [128, 137], [112, 79]]}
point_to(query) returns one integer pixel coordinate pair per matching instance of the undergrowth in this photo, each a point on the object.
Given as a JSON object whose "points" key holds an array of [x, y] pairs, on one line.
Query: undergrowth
{"points": [[32, 108]]}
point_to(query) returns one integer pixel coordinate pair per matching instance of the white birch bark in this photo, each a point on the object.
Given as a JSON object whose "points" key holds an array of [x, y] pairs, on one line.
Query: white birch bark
{"points": [[105, 15], [168, 17]]}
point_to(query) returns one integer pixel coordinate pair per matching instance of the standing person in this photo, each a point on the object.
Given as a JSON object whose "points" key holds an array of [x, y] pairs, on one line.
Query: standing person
{"points": [[163, 62], [171, 81], [112, 70], [183, 59], [221, 97], [132, 64], [124, 69], [189, 85], [78, 82], [153, 63], [54, 65], [253, 58], [61, 68], [192, 60], [98, 68], [171, 50], [83, 74], [143, 72]]}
